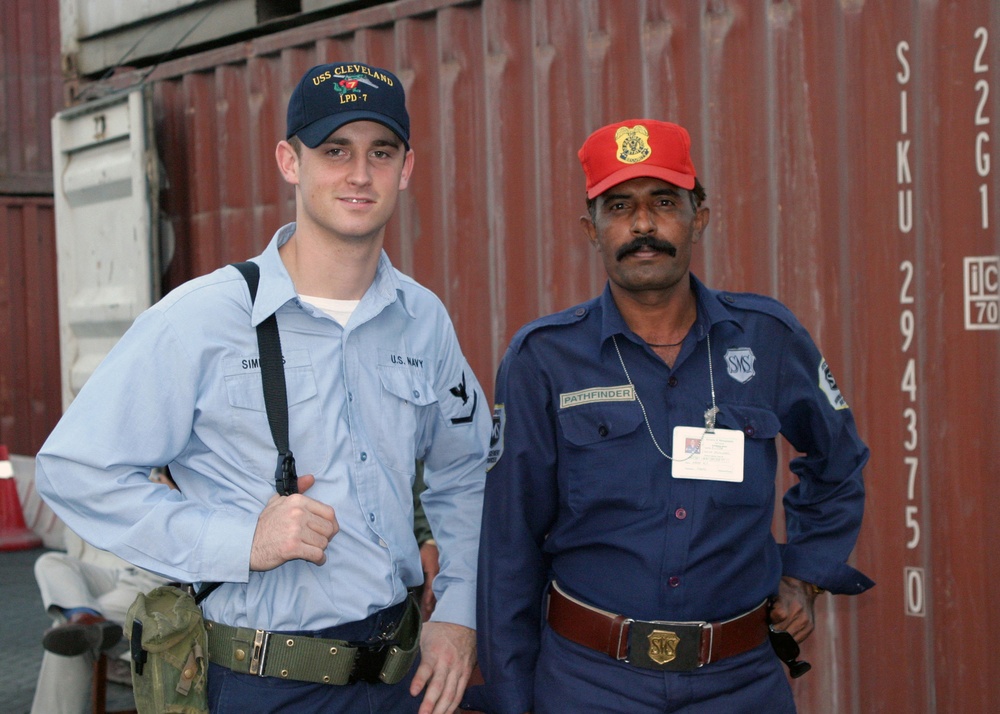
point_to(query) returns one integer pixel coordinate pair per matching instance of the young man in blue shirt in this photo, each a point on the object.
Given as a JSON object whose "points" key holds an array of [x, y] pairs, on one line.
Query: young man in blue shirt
{"points": [[375, 380]]}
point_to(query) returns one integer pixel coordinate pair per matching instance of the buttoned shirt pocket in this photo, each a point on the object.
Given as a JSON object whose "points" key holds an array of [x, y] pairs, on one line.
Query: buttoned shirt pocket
{"points": [[246, 395], [598, 440], [406, 392], [760, 427], [243, 381]]}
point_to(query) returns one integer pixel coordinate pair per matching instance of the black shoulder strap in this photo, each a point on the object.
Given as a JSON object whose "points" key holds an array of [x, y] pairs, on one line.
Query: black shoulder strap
{"points": [[272, 375]]}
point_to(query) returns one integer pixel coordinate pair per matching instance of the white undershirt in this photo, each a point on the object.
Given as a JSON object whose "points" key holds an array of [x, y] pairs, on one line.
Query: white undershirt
{"points": [[339, 310]]}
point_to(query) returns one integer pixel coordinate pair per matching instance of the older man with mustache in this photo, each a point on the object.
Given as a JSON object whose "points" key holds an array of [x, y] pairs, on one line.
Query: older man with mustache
{"points": [[626, 561]]}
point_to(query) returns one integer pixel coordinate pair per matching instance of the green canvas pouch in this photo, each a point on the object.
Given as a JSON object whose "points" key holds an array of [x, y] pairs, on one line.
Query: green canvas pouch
{"points": [[169, 648]]}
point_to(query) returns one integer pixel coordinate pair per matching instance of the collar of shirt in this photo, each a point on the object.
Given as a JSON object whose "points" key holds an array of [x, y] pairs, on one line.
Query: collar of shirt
{"points": [[710, 312], [276, 287]]}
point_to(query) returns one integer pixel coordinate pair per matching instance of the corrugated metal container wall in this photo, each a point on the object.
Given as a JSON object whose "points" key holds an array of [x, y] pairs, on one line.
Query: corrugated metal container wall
{"points": [[31, 88], [846, 147], [30, 395]]}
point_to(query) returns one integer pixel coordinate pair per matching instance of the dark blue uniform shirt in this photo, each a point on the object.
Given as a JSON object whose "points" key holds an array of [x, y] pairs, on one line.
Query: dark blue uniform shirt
{"points": [[580, 493]]}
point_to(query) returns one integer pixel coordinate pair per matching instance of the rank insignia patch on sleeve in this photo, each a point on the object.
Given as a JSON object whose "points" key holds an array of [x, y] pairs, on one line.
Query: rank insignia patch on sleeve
{"points": [[461, 392]]}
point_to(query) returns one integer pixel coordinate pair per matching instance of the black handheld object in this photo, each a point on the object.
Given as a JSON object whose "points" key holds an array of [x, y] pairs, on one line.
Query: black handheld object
{"points": [[135, 646], [286, 481], [787, 650]]}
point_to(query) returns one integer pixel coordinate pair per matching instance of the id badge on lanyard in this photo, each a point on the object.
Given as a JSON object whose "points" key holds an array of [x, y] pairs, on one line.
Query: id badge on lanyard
{"points": [[715, 455]]}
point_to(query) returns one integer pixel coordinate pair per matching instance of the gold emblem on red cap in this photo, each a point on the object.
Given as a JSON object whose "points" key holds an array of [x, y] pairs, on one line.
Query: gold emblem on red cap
{"points": [[633, 144]]}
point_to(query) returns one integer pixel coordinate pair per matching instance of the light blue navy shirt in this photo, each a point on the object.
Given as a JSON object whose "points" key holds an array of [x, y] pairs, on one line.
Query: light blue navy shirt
{"points": [[183, 388]]}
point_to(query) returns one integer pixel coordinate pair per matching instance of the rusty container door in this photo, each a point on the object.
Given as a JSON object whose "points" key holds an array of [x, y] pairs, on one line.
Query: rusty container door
{"points": [[927, 343], [848, 152], [30, 400], [30, 93]]}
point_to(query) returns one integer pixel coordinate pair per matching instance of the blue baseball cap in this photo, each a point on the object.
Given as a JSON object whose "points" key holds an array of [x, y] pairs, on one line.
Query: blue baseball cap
{"points": [[331, 95]]}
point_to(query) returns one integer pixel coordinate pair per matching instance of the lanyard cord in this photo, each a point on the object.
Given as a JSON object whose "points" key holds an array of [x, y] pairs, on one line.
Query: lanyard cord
{"points": [[709, 413]]}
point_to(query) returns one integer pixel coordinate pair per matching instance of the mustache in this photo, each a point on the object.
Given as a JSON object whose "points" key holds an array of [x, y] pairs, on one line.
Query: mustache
{"points": [[646, 241]]}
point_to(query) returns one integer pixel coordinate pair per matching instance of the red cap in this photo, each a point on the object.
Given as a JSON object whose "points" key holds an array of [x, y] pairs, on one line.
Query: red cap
{"points": [[634, 148]]}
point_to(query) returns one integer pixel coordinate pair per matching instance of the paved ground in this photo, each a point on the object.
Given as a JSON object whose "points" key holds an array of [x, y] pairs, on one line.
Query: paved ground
{"points": [[21, 630]]}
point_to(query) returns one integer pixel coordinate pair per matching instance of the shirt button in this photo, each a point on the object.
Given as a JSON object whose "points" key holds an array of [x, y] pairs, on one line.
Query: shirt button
{"points": [[681, 514], [749, 431], [602, 430], [730, 299], [672, 381], [350, 396], [673, 581], [371, 517], [580, 312], [416, 394], [364, 455]]}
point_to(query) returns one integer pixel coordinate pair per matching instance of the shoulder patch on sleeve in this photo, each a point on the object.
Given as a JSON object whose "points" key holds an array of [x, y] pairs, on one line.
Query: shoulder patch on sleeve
{"points": [[759, 303], [829, 386], [496, 436], [569, 316]]}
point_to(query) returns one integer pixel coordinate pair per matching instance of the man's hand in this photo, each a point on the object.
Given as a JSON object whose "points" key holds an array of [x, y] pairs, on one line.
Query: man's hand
{"points": [[292, 527], [447, 656], [431, 567], [793, 610]]}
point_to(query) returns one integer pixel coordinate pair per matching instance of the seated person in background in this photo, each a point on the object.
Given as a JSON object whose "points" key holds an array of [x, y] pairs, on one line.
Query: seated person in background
{"points": [[87, 592]]}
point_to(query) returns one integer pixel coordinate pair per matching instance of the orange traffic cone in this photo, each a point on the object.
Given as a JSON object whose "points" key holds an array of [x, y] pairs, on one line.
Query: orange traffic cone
{"points": [[14, 534]]}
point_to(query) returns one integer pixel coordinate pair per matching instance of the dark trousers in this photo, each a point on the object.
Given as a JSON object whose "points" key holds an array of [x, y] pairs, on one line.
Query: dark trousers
{"points": [[233, 693], [573, 678]]}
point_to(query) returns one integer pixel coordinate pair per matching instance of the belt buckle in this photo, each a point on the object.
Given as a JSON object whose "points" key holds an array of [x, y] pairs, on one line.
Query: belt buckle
{"points": [[260, 641], [666, 646]]}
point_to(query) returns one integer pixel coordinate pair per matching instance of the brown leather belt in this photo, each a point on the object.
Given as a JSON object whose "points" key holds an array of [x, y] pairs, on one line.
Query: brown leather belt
{"points": [[670, 646]]}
